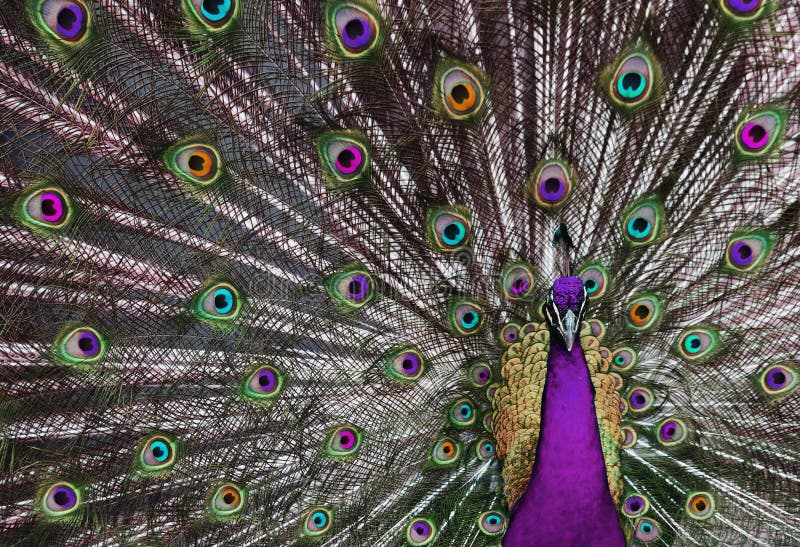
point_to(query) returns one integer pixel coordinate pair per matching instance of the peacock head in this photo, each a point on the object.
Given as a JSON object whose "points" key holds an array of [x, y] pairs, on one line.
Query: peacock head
{"points": [[565, 308]]}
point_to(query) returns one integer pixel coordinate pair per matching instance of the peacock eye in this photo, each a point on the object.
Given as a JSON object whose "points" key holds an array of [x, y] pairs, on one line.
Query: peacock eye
{"points": [[157, 454], [759, 133], [220, 302], [446, 451], [449, 228], [480, 374], [492, 523], [742, 10], [227, 500], [595, 279], [624, 359], [46, 208], [215, 14], [264, 383], [357, 30], [643, 223], [487, 422], [421, 531], [509, 333], [60, 499], [344, 441], [700, 505], [779, 380], [81, 345], [461, 413], [632, 83], [647, 530], [629, 437], [697, 344], [345, 158], [352, 287], [491, 391], [460, 92], [640, 399], [485, 449], [643, 312], [635, 505], [67, 20], [405, 363], [551, 184], [747, 253], [465, 317], [672, 432], [317, 522], [197, 164], [517, 281]]}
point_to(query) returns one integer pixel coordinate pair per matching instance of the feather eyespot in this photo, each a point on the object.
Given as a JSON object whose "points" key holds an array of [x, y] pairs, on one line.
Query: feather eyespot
{"points": [[227, 501], [65, 20], [446, 451], [198, 164], [485, 449], [759, 133], [351, 288], [60, 499], [643, 223], [672, 432], [461, 413], [643, 312], [80, 346], [647, 530], [49, 208], [219, 303], [157, 453], [317, 521], [354, 28], [744, 11], [551, 184], [595, 279], [465, 316], [405, 363], [344, 441], [263, 384], [492, 523], [480, 374], [345, 158], [487, 422], [747, 251], [698, 343], [624, 359], [421, 531], [640, 400], [633, 81], [449, 228], [517, 281], [629, 436], [635, 505], [460, 93], [508, 334], [778, 380], [213, 14], [700, 505]]}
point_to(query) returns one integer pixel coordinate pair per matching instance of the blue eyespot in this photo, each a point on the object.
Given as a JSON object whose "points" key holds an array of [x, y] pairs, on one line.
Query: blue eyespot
{"points": [[631, 84], [221, 9], [454, 233], [160, 451], [470, 319], [223, 300], [639, 227]]}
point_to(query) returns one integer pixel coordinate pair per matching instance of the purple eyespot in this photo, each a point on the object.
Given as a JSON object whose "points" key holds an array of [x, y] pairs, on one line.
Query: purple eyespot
{"points": [[754, 136], [668, 431], [52, 207], [266, 380], [349, 160], [741, 254], [60, 499], [519, 286], [672, 431], [66, 19], [88, 343], [346, 439], [356, 33], [640, 399], [743, 7], [421, 531], [552, 189], [356, 30], [551, 185], [480, 374], [410, 363], [358, 288], [64, 497]]}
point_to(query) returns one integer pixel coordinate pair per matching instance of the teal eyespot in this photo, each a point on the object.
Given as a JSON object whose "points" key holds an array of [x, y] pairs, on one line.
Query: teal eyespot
{"points": [[517, 281], [696, 344], [218, 303], [421, 531], [227, 501], [759, 132], [80, 345], [624, 359], [265, 383], [446, 451], [595, 279], [643, 223], [156, 454], [461, 413], [632, 81], [404, 363], [778, 380], [343, 441], [317, 521], [492, 523], [700, 505], [45, 208], [449, 228], [747, 251], [485, 449], [65, 23], [646, 530], [353, 28], [59, 499], [643, 312], [197, 164], [459, 93], [212, 15], [351, 288], [345, 158], [465, 317]]}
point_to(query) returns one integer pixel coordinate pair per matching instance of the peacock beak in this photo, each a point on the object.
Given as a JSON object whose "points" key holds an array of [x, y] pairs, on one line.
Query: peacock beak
{"points": [[568, 328]]}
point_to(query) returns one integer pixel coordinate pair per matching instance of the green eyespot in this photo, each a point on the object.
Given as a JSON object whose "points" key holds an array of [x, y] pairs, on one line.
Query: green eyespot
{"points": [[459, 93], [624, 359], [632, 80], [345, 158], [485, 449], [449, 228], [218, 303], [696, 344], [156, 454], [227, 501], [196, 163], [211, 15], [465, 317], [760, 132], [351, 288], [80, 345]]}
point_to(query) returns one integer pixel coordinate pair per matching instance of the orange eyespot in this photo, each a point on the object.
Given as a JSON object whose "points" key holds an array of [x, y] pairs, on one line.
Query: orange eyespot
{"points": [[448, 448], [462, 97], [640, 314], [230, 496], [200, 163]]}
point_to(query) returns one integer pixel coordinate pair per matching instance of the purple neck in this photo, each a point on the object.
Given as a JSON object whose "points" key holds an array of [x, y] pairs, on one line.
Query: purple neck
{"points": [[567, 501]]}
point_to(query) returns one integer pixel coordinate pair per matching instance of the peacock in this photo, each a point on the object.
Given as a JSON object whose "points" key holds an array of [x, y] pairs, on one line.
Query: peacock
{"points": [[394, 272]]}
